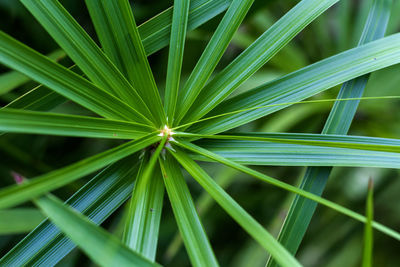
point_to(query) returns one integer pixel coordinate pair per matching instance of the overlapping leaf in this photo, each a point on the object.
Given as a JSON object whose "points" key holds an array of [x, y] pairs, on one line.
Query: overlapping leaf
{"points": [[143, 220], [14, 195], [84, 52], [102, 247], [255, 56], [248, 223], [63, 81], [212, 54], [338, 122], [189, 224], [304, 83], [128, 51], [97, 200]]}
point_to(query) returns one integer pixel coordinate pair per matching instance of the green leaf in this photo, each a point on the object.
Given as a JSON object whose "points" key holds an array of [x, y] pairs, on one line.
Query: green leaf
{"points": [[156, 32], [84, 52], [368, 231], [303, 83], [286, 186], [144, 225], [340, 141], [13, 221], [212, 54], [338, 122], [189, 224], [144, 214], [102, 247], [247, 222], [283, 154], [105, 34], [128, 49], [20, 121], [255, 56], [204, 202], [312, 101], [343, 112], [97, 200], [17, 194], [39, 98], [13, 79], [22, 58], [175, 56]]}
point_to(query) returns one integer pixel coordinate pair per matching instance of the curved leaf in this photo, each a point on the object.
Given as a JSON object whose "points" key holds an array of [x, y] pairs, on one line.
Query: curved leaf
{"points": [[340, 141]]}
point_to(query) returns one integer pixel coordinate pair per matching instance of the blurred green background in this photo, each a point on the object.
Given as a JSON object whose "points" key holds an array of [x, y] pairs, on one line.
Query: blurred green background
{"points": [[332, 239]]}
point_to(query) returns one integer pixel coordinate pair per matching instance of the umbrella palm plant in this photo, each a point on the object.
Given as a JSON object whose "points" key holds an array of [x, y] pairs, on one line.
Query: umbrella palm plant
{"points": [[191, 123]]}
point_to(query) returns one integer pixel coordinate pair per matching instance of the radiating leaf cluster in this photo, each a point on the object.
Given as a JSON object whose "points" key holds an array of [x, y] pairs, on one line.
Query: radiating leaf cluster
{"points": [[119, 89]]}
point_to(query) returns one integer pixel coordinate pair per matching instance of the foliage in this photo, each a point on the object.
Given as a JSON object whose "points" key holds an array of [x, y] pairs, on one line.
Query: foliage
{"points": [[118, 95]]}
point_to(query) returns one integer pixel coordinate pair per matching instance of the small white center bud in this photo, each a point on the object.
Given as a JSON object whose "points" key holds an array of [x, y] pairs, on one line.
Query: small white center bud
{"points": [[166, 132]]}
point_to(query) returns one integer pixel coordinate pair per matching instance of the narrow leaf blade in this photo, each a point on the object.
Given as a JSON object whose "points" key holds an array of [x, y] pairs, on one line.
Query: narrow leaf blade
{"points": [[97, 200], [283, 154], [102, 247], [24, 59], [255, 56], [156, 32], [212, 54], [303, 83], [13, 79], [20, 121], [285, 186], [338, 122], [17, 194], [175, 56], [83, 51], [247, 222], [189, 224], [131, 51], [144, 214]]}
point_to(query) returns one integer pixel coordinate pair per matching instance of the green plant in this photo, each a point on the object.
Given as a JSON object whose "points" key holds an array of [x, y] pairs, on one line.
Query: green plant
{"points": [[119, 87]]}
